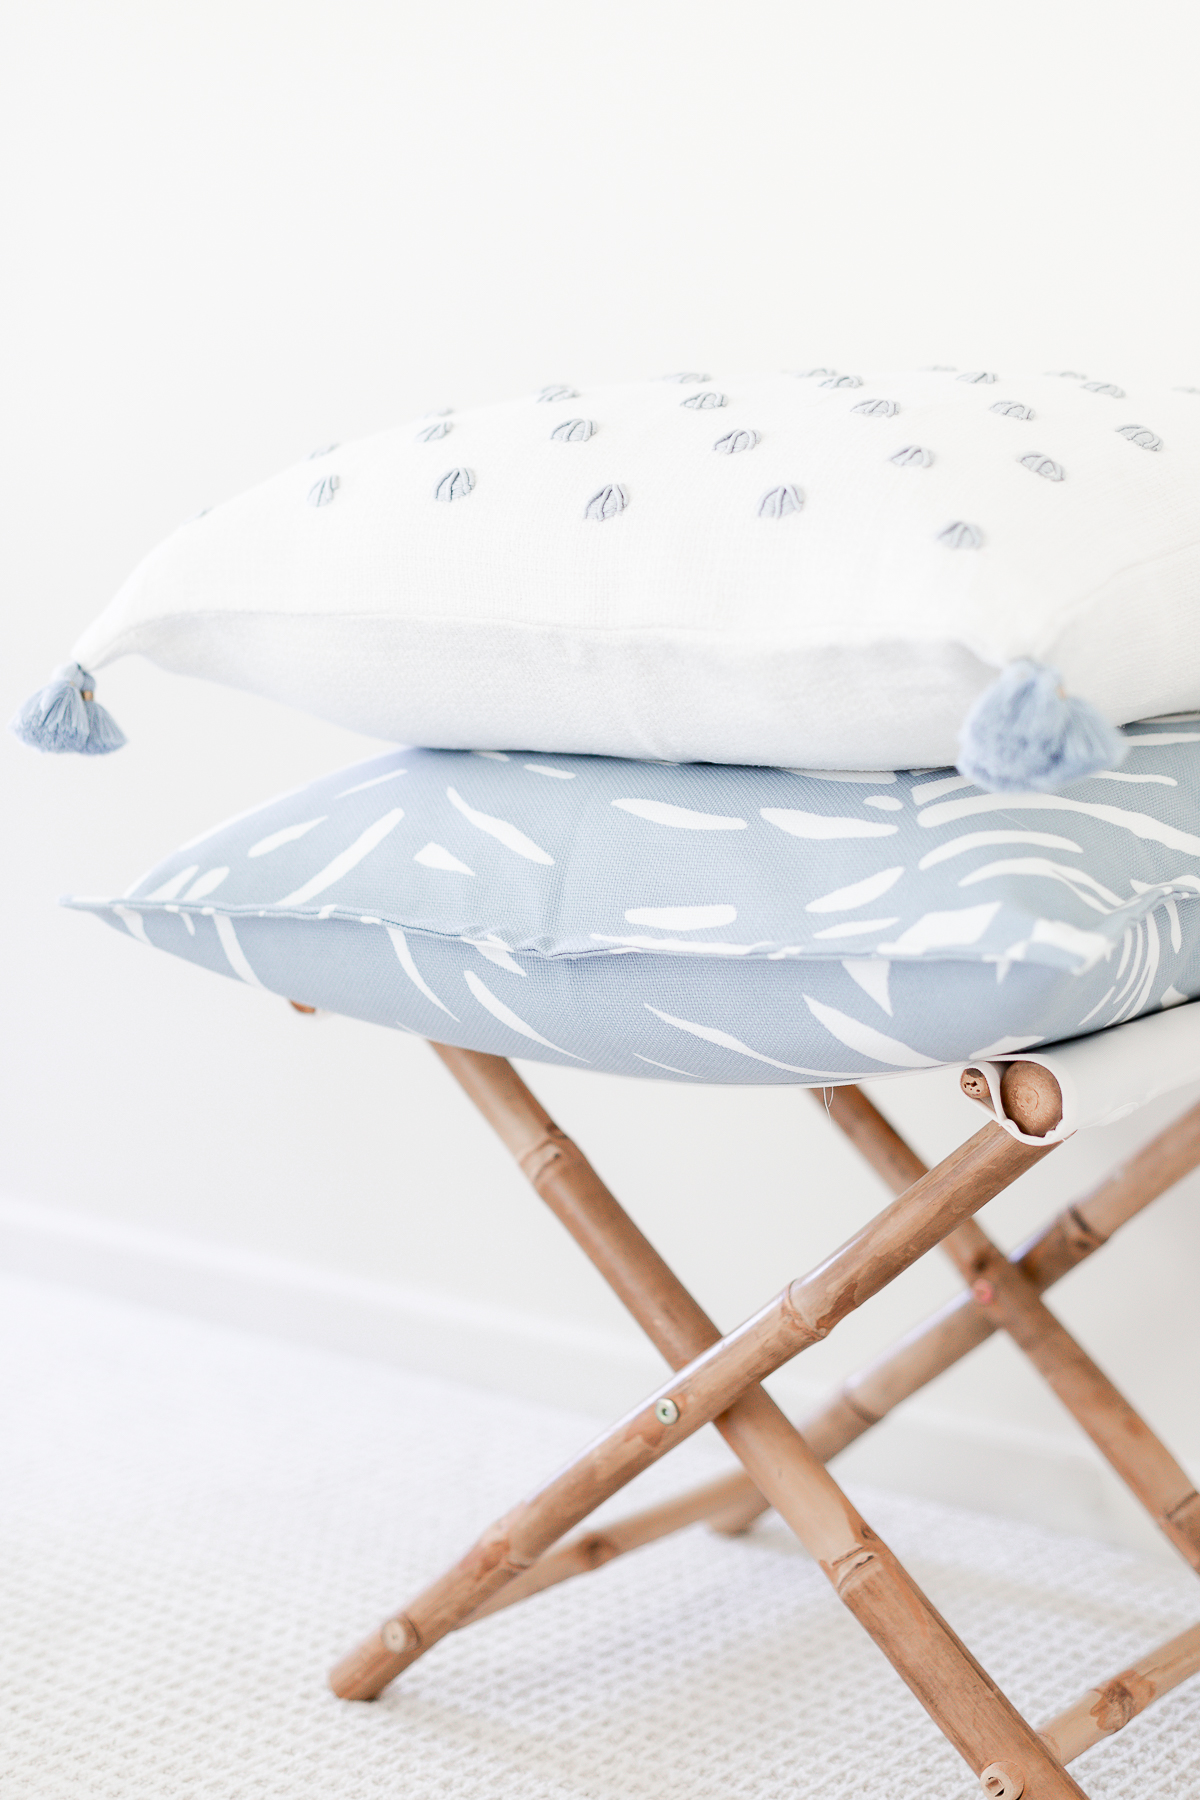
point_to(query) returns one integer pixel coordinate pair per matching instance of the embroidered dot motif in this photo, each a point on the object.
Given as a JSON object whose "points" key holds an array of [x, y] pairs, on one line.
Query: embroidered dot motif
{"points": [[454, 485], [607, 503], [961, 536], [574, 431], [735, 441], [324, 491], [1066, 375], [1042, 465], [786, 499], [1141, 436], [780, 502], [325, 450]]}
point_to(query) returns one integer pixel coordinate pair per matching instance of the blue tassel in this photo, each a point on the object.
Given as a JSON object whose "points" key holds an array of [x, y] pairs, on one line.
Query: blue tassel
{"points": [[1025, 734], [64, 718], [104, 734]]}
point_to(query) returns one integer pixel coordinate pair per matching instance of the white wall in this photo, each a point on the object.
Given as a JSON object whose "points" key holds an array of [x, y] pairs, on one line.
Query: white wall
{"points": [[232, 232]]}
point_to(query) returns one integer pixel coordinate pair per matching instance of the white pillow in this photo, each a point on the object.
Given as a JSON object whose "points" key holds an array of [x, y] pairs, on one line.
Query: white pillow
{"points": [[819, 570]]}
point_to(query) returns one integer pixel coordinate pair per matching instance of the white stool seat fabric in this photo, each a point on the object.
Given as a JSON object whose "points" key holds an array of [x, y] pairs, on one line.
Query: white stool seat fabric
{"points": [[1112, 1073]]}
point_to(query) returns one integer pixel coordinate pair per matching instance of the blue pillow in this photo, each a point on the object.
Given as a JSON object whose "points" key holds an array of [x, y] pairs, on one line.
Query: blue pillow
{"points": [[701, 920]]}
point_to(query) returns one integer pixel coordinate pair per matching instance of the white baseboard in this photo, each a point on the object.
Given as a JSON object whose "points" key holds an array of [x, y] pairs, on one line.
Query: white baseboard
{"points": [[1042, 1478]]}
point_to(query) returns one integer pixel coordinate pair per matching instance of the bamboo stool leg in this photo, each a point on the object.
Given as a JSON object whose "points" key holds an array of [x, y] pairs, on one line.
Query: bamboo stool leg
{"points": [[592, 1549], [1132, 1450], [963, 1700], [1107, 1708], [1008, 1298], [1075, 1234], [731, 1502]]}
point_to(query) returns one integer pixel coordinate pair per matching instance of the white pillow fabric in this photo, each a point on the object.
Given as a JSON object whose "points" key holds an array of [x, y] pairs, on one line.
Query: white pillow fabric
{"points": [[820, 569]]}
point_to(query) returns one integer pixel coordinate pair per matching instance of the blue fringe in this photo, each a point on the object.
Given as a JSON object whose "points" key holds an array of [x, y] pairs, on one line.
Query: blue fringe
{"points": [[1022, 734], [60, 721]]}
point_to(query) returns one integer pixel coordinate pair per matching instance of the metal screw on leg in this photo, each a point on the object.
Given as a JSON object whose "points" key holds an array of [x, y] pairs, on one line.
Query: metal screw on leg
{"points": [[1002, 1781], [666, 1412]]}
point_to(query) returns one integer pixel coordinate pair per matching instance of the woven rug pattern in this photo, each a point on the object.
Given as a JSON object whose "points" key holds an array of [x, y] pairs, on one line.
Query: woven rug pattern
{"points": [[195, 1522]]}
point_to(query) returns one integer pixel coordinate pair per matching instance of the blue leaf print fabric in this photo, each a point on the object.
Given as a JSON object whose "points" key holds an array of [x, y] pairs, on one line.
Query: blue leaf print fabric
{"points": [[703, 921]]}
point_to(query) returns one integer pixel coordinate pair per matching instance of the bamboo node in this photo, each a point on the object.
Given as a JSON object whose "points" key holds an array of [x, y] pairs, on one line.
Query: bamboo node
{"points": [[541, 1156], [595, 1549], [1120, 1700], [983, 1292], [811, 1330], [1080, 1230], [396, 1636], [850, 1400], [844, 1568], [1186, 1513], [1002, 1781]]}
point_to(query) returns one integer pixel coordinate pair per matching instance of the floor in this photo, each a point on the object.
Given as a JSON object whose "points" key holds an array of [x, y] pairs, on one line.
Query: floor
{"points": [[194, 1522]]}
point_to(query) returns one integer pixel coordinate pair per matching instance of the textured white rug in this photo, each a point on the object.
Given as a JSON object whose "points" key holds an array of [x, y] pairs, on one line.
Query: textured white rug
{"points": [[194, 1523]]}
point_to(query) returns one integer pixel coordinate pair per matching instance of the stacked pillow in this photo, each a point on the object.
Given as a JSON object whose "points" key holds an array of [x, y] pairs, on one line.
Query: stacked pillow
{"points": [[744, 588], [703, 922], [823, 569]]}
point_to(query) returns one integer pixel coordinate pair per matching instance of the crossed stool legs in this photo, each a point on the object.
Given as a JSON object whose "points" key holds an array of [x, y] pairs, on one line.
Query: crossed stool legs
{"points": [[716, 1381]]}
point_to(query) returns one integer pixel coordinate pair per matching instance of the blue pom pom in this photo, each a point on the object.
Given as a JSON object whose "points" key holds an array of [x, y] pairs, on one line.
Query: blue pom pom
{"points": [[1024, 734], [63, 718]]}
